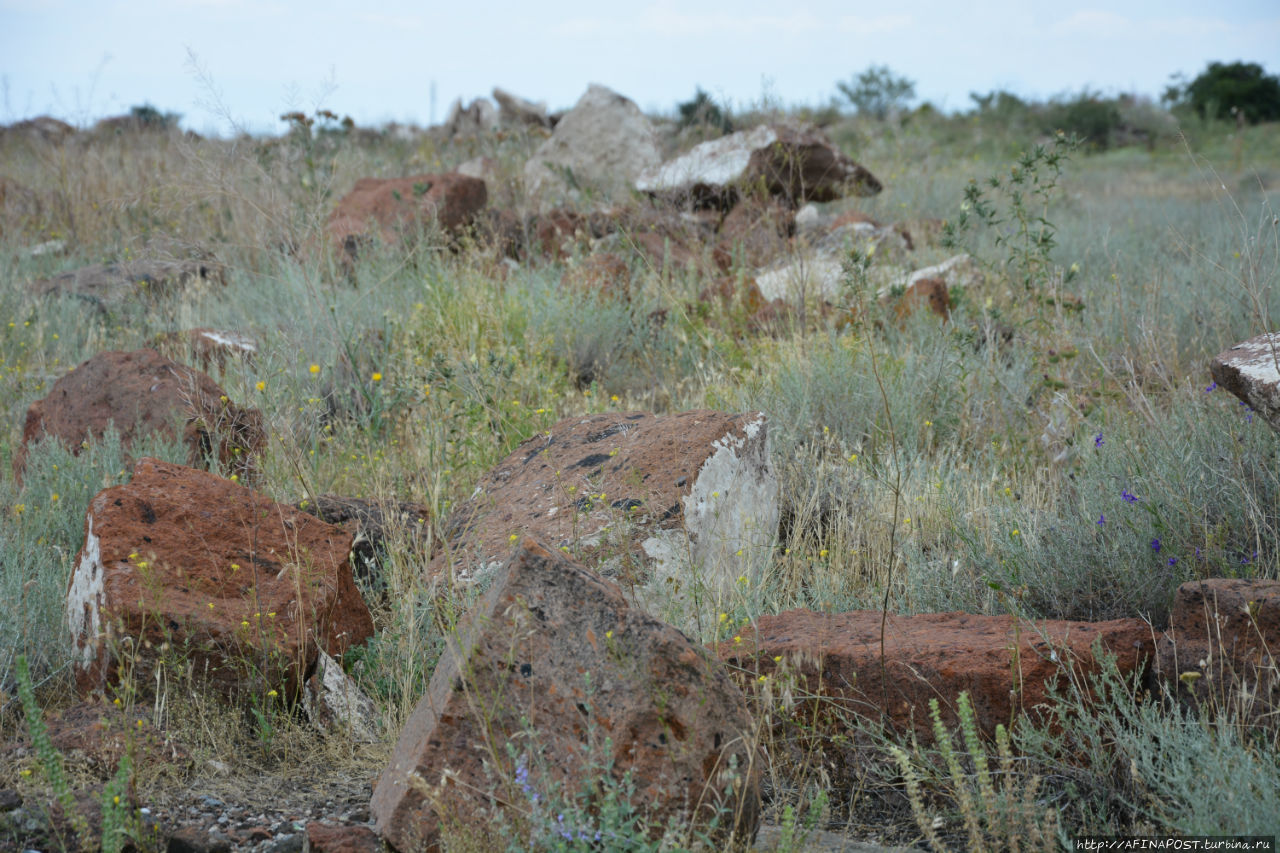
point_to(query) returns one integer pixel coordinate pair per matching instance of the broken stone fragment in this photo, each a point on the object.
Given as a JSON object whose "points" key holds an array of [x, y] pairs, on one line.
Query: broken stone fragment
{"points": [[689, 500], [553, 675], [182, 565], [1251, 371]]}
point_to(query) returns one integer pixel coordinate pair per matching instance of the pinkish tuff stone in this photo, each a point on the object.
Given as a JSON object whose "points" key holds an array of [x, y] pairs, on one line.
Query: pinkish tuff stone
{"points": [[142, 393], [688, 499], [1222, 649], [398, 205], [930, 656], [183, 560], [551, 678]]}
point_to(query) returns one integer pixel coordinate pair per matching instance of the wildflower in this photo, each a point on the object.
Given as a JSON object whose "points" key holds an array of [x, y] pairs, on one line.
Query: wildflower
{"points": [[1102, 519], [261, 386], [608, 635], [244, 623], [1155, 545], [377, 377], [315, 368], [614, 398], [1097, 440], [853, 457], [272, 694], [823, 553], [1173, 561], [1211, 386], [19, 509], [763, 679], [737, 638], [210, 605], [513, 537], [1016, 532], [777, 659], [1128, 496], [723, 618], [54, 496], [928, 423]]}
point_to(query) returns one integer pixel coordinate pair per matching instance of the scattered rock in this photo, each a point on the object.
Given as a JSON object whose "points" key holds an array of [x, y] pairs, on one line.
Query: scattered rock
{"points": [[1221, 648], [207, 348], [754, 233], [100, 734], [516, 111], [180, 561], [793, 164], [478, 117], [400, 207], [931, 293], [818, 275], [324, 838], [372, 525], [690, 499], [930, 656], [107, 286], [1251, 371], [604, 273], [142, 393], [39, 129], [603, 143], [555, 662], [334, 702]]}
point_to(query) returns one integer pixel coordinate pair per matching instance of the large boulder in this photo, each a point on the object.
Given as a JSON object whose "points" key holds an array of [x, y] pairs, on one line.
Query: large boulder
{"points": [[690, 499], [1251, 371], [107, 286], [142, 393], [180, 561], [553, 677], [604, 143], [394, 208], [1003, 662], [796, 165]]}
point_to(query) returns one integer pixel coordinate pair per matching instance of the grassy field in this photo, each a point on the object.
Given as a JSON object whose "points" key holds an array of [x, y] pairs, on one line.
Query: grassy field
{"points": [[981, 466]]}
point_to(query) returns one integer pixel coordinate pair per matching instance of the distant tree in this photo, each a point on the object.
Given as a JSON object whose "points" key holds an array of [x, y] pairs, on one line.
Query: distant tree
{"points": [[1088, 115], [1223, 88], [877, 92], [704, 111], [151, 118], [998, 102]]}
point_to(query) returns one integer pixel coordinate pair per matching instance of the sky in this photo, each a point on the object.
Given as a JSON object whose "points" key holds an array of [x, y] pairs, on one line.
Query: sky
{"points": [[230, 65]]}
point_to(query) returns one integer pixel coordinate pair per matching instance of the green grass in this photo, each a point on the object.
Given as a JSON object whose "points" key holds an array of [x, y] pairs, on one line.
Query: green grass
{"points": [[963, 456]]}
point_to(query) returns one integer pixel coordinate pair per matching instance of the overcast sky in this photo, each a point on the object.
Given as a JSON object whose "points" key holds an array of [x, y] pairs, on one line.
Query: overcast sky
{"points": [[244, 62]]}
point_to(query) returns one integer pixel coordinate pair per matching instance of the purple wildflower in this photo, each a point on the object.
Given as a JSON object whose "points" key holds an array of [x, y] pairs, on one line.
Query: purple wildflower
{"points": [[1102, 519], [1212, 385], [1128, 497], [1173, 561], [1155, 545], [1097, 440]]}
